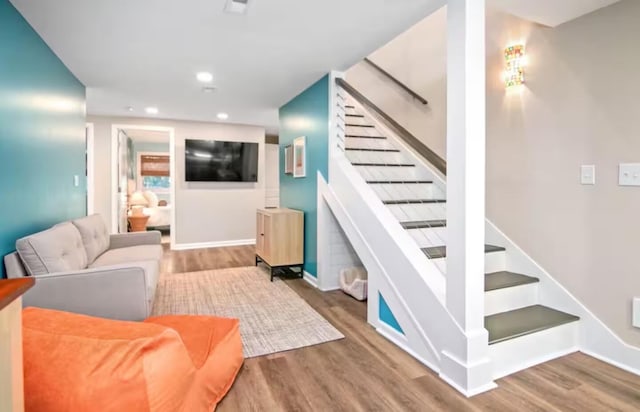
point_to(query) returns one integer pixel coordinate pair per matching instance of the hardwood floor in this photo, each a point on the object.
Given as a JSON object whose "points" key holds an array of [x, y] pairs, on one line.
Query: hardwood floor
{"points": [[365, 372]]}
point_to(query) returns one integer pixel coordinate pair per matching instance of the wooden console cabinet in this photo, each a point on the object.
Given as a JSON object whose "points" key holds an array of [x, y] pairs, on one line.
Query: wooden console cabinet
{"points": [[280, 240]]}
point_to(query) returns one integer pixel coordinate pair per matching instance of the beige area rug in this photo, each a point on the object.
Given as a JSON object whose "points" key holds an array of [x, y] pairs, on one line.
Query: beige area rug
{"points": [[273, 318]]}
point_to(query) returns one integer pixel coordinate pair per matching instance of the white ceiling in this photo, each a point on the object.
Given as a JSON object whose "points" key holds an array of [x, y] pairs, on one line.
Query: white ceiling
{"points": [[143, 53], [550, 12], [147, 136]]}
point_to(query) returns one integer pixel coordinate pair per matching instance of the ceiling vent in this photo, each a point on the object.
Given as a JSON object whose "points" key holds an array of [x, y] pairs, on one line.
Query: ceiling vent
{"points": [[236, 6]]}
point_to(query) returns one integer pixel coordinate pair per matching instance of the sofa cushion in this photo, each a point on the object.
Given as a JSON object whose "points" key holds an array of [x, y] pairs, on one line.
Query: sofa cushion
{"points": [[128, 254], [95, 235], [58, 249]]}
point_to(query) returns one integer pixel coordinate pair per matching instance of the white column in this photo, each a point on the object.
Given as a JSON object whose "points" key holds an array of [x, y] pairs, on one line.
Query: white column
{"points": [[466, 364], [466, 161]]}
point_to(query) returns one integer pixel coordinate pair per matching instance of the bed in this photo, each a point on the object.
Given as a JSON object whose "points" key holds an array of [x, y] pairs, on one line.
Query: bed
{"points": [[159, 212], [159, 216]]}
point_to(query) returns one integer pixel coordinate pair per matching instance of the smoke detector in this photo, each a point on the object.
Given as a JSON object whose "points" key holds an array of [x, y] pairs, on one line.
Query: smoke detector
{"points": [[236, 6]]}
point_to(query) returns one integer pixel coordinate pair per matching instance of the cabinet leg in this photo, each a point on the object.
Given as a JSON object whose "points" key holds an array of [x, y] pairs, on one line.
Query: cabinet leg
{"points": [[256, 260], [271, 271]]}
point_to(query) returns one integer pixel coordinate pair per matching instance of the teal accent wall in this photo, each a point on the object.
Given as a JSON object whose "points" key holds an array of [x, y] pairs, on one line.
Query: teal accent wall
{"points": [[385, 314], [42, 134], [306, 115]]}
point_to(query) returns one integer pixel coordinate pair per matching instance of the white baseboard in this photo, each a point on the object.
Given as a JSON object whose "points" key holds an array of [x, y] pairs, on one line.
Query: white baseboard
{"points": [[204, 245], [469, 394], [330, 289], [611, 362], [310, 279]]}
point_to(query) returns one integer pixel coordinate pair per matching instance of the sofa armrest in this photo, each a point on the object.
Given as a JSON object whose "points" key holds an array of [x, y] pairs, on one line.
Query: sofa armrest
{"points": [[114, 292], [152, 237]]}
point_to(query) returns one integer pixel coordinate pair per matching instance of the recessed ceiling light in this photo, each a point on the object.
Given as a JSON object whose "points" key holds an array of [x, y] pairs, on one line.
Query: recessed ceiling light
{"points": [[151, 110], [129, 108], [223, 116], [204, 77], [236, 6]]}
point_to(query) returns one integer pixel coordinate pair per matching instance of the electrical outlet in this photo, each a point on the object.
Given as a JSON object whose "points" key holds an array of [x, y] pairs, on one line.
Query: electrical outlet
{"points": [[636, 312], [76, 180]]}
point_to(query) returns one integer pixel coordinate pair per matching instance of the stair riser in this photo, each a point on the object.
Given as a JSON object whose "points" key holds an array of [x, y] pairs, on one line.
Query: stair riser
{"points": [[526, 351], [493, 262], [429, 237], [393, 173], [407, 191], [369, 144], [406, 213], [506, 299], [378, 157]]}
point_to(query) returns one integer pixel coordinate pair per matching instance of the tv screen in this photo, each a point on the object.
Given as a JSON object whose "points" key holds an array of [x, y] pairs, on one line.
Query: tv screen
{"points": [[220, 161]]}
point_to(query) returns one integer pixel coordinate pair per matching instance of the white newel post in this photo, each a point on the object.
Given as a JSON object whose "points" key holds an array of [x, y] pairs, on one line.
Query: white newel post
{"points": [[466, 364]]}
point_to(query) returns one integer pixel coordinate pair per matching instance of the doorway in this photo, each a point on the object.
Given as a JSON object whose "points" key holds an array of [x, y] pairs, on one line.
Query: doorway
{"points": [[143, 174]]}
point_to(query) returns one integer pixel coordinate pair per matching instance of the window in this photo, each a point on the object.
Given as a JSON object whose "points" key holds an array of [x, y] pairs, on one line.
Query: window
{"points": [[154, 172], [156, 183]]}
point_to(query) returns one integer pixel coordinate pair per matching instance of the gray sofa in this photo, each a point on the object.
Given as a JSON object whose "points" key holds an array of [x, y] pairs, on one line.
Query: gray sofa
{"points": [[80, 268]]}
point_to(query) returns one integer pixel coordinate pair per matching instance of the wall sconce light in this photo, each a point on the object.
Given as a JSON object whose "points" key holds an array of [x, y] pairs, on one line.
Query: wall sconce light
{"points": [[515, 60]]}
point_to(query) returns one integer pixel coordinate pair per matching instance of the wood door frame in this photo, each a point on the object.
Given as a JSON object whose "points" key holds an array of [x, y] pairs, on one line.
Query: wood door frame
{"points": [[114, 171]]}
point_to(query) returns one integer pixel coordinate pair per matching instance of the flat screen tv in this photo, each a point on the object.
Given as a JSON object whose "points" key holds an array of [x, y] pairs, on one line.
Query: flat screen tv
{"points": [[220, 161]]}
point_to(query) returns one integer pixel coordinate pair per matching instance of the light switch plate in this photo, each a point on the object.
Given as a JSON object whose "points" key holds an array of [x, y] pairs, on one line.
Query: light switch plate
{"points": [[76, 180], [629, 174], [636, 312], [588, 174]]}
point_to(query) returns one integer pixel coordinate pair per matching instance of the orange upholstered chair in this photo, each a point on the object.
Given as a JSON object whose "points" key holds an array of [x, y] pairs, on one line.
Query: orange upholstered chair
{"points": [[168, 363]]}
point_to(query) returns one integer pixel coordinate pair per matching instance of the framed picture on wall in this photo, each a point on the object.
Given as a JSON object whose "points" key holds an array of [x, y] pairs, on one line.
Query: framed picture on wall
{"points": [[299, 157], [288, 160]]}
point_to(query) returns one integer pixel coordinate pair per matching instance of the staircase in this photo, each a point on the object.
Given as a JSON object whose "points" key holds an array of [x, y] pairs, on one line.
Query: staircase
{"points": [[522, 332]]}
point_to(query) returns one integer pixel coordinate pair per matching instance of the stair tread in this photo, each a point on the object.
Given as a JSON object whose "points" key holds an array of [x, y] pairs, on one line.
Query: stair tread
{"points": [[398, 182], [383, 164], [524, 321], [437, 252], [353, 114], [424, 224], [364, 149], [359, 136], [505, 279], [359, 125], [412, 201]]}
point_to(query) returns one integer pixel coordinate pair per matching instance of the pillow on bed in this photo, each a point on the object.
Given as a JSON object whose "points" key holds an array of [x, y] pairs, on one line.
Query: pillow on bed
{"points": [[151, 197]]}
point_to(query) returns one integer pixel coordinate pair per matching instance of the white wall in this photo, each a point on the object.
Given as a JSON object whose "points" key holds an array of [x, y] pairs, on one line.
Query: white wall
{"points": [[206, 212], [579, 106]]}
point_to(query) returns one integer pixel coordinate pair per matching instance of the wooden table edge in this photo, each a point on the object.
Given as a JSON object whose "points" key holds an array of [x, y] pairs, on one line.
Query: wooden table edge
{"points": [[12, 289]]}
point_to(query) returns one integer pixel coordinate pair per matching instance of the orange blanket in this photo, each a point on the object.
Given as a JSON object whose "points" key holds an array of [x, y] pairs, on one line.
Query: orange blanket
{"points": [[169, 363]]}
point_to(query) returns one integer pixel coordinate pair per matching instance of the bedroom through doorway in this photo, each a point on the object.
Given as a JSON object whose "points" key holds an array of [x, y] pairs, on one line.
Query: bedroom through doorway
{"points": [[144, 180]]}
